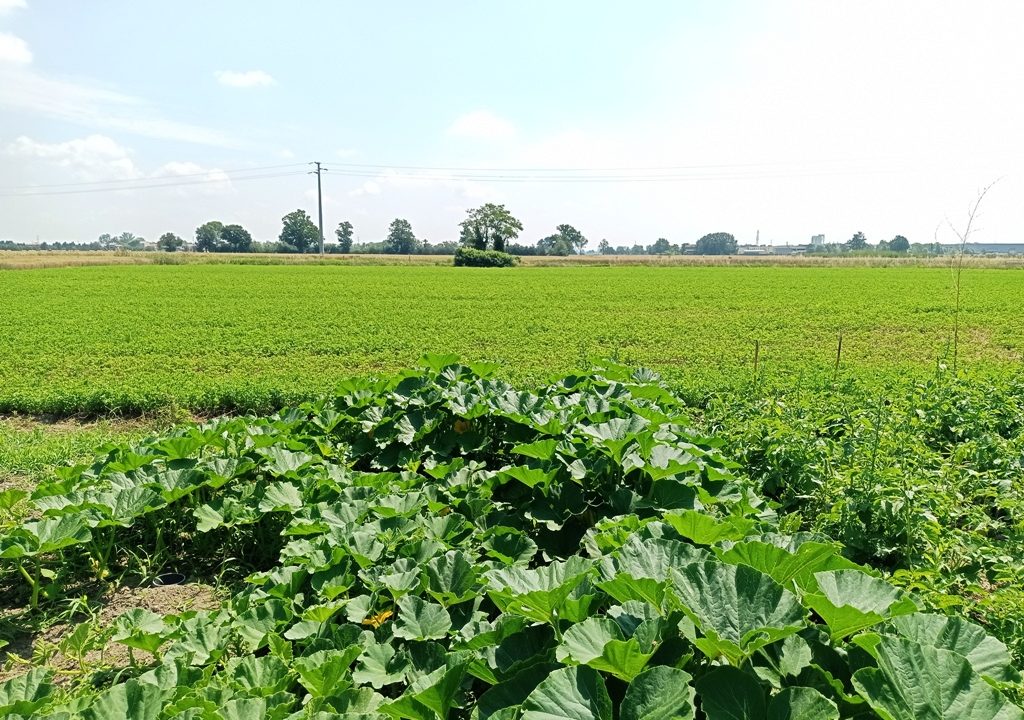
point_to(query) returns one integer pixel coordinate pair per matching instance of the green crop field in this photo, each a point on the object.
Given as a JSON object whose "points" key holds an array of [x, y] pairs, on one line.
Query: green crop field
{"points": [[458, 494], [218, 337]]}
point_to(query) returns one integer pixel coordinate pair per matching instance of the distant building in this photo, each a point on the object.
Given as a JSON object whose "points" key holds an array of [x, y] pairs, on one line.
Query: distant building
{"points": [[974, 248], [817, 240]]}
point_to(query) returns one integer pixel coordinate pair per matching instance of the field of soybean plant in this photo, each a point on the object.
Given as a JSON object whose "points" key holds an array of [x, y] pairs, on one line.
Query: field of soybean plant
{"points": [[538, 494], [215, 338]]}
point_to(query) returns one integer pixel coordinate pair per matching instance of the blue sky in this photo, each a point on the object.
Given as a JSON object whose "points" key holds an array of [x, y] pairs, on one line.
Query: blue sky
{"points": [[792, 118]]}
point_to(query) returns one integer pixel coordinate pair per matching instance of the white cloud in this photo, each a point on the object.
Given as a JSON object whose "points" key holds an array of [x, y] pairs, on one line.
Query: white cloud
{"points": [[87, 104], [210, 181], [345, 153], [14, 50], [285, 154], [96, 157], [370, 187], [482, 125], [7, 6], [247, 79]]}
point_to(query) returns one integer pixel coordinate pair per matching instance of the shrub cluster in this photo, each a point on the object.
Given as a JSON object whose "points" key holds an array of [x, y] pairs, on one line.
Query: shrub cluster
{"points": [[471, 257]]}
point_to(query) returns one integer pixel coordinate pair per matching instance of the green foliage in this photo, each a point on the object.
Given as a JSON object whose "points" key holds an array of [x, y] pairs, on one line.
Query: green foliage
{"points": [[857, 242], [169, 242], [471, 257], [489, 227], [400, 239], [719, 243], [441, 544], [208, 236], [236, 239], [299, 234], [344, 234], [246, 339], [567, 240], [69, 352]]}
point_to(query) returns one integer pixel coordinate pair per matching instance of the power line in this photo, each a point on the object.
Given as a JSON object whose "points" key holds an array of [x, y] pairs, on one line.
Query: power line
{"points": [[655, 168], [678, 177], [151, 186], [205, 173]]}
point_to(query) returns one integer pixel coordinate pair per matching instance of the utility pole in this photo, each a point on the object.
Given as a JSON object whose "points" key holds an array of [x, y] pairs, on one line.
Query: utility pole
{"points": [[320, 206]]}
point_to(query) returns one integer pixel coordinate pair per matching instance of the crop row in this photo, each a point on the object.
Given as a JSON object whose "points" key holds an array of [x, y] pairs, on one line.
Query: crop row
{"points": [[443, 545], [212, 338]]}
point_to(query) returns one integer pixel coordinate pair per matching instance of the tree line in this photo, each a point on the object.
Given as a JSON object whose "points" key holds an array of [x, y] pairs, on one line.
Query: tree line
{"points": [[488, 227]]}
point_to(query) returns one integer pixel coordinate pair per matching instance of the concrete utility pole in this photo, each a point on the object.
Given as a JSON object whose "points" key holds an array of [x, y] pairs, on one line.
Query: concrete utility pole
{"points": [[320, 207]]}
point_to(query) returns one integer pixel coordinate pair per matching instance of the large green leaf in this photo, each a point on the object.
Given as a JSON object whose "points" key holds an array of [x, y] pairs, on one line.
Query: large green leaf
{"points": [[729, 694], [326, 672], [44, 536], [512, 692], [132, 700], [851, 600], [140, 628], [801, 703], [451, 578], [914, 681], [987, 656], [536, 593], [572, 693], [421, 620], [785, 566], [660, 693], [21, 695], [737, 608], [599, 642], [641, 568], [703, 529]]}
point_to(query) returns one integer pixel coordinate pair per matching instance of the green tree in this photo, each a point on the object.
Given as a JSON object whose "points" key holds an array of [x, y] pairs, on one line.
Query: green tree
{"points": [[400, 240], [573, 237], [299, 234], [661, 247], [106, 241], [169, 242], [344, 234], [899, 244], [605, 248], [554, 245], [719, 243], [208, 236], [128, 241], [857, 242], [236, 238], [489, 227], [566, 241]]}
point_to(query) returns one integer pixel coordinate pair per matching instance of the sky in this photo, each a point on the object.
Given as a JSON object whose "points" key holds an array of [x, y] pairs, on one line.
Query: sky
{"points": [[629, 121]]}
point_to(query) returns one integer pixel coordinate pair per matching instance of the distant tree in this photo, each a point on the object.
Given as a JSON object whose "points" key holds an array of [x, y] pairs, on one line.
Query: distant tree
{"points": [[236, 238], [106, 241], [604, 248], [489, 227], [208, 236], [554, 245], [344, 235], [857, 242], [169, 242], [883, 246], [400, 240], [299, 234], [124, 241], [899, 244], [661, 247], [566, 241], [719, 243]]}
